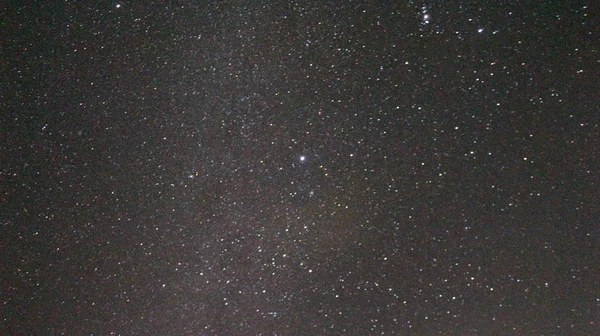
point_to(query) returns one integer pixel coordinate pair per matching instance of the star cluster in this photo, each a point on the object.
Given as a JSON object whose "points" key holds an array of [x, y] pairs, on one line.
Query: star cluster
{"points": [[299, 168]]}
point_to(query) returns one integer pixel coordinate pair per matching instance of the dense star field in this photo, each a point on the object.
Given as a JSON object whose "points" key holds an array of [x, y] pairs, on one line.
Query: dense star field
{"points": [[299, 168]]}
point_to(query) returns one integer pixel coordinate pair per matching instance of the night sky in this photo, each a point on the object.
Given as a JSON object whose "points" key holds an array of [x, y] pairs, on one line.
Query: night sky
{"points": [[299, 168]]}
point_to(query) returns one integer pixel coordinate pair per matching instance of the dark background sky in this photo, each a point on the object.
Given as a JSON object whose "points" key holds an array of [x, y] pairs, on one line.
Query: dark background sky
{"points": [[299, 168]]}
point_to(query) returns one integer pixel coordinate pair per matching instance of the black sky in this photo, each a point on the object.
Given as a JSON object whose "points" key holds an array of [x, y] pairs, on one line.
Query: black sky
{"points": [[299, 168]]}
